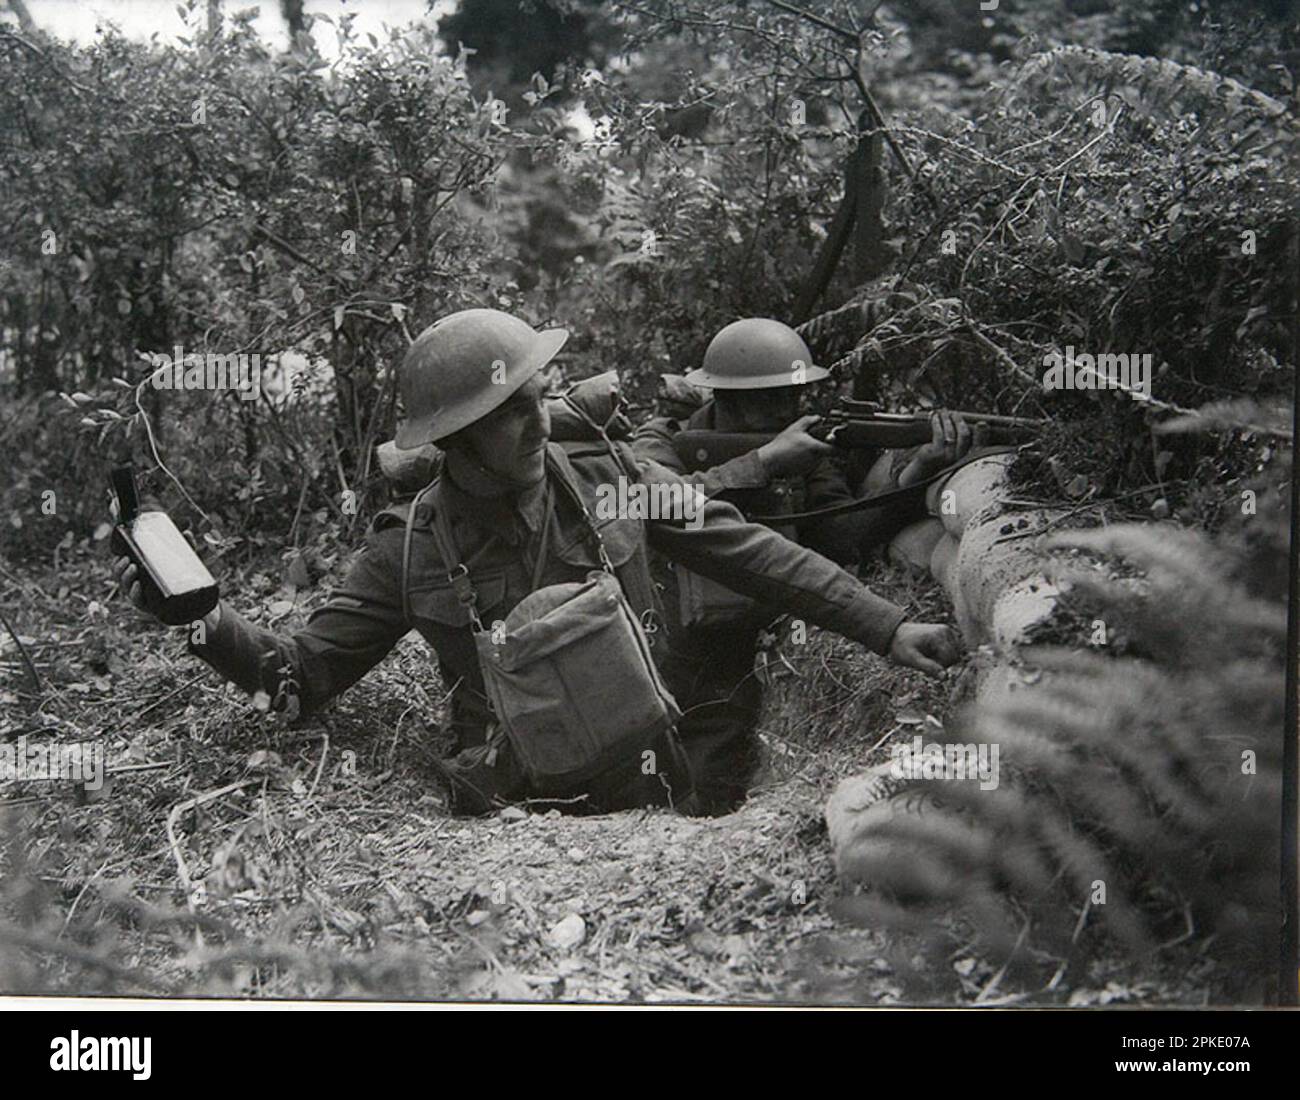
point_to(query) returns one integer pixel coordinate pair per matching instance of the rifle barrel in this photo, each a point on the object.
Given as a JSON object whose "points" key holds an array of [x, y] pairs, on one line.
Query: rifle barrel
{"points": [[849, 414]]}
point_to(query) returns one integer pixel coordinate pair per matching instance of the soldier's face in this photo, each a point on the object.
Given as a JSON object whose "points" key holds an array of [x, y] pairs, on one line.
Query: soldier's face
{"points": [[768, 410], [511, 441]]}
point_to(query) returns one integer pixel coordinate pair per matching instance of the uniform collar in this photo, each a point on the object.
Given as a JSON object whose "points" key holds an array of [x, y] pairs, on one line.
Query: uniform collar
{"points": [[703, 418], [513, 516]]}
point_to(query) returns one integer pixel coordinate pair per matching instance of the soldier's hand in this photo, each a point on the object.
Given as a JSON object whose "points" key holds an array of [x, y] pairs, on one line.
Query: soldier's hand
{"points": [[128, 580], [794, 451], [931, 647], [950, 439]]}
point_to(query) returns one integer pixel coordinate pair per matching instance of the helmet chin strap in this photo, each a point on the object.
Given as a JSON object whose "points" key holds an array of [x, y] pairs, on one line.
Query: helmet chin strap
{"points": [[477, 480]]}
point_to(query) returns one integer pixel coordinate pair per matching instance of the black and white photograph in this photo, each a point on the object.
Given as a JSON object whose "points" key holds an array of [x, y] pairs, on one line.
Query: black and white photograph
{"points": [[633, 503]]}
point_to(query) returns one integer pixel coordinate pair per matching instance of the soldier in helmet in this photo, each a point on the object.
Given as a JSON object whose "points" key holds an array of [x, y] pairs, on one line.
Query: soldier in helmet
{"points": [[757, 369], [521, 514]]}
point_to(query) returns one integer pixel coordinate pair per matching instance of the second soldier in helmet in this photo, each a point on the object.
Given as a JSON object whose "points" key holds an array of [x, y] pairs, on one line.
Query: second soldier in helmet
{"points": [[757, 370]]}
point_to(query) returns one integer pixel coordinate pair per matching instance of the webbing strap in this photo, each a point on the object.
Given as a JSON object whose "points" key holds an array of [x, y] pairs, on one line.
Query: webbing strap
{"points": [[875, 500], [406, 548], [458, 572], [566, 483], [544, 540]]}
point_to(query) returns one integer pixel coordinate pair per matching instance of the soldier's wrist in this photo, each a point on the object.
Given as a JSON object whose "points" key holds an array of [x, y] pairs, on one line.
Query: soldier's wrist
{"points": [[211, 620], [893, 636], [766, 461], [913, 472]]}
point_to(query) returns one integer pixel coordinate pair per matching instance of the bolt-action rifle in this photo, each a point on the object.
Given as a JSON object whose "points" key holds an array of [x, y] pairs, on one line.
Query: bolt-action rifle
{"points": [[853, 425]]}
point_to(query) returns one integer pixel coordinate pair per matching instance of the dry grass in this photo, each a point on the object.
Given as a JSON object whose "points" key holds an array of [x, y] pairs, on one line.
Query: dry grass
{"points": [[332, 868]]}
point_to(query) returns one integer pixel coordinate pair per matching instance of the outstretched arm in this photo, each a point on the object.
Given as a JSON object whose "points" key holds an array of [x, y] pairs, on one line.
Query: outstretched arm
{"points": [[342, 640], [755, 561]]}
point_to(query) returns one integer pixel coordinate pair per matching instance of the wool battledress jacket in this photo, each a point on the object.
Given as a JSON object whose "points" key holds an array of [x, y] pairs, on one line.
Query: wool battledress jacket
{"points": [[499, 540]]}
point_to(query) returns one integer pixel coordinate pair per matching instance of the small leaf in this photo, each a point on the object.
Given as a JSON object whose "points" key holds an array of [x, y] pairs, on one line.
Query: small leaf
{"points": [[567, 933], [298, 575], [1076, 486]]}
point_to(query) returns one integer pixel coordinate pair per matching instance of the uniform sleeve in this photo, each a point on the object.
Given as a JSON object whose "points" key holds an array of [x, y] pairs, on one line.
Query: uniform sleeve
{"points": [[826, 485], [748, 558], [653, 442], [849, 537], [342, 640]]}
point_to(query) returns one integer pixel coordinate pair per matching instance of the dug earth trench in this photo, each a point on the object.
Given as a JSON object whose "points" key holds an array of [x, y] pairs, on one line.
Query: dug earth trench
{"points": [[333, 870]]}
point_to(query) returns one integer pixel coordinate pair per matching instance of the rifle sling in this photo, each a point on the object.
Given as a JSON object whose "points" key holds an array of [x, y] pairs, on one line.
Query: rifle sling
{"points": [[889, 496]]}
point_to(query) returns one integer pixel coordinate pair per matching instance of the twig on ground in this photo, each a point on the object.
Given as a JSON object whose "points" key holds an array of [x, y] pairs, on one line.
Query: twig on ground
{"points": [[324, 752], [174, 815], [996, 980], [80, 894], [22, 649]]}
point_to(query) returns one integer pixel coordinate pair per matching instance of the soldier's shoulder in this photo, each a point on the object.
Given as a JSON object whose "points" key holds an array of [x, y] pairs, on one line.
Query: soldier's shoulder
{"points": [[397, 513], [590, 454], [595, 464], [392, 516], [659, 426]]}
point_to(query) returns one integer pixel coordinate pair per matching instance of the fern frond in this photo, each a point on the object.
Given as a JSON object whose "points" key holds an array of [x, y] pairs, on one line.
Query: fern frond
{"points": [[1120, 771], [1161, 552]]}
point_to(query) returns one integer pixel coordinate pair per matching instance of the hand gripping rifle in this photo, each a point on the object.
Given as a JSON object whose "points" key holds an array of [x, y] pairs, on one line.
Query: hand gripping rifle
{"points": [[852, 425]]}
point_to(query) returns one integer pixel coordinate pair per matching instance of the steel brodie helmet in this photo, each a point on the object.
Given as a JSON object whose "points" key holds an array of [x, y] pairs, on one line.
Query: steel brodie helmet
{"points": [[756, 354], [464, 366]]}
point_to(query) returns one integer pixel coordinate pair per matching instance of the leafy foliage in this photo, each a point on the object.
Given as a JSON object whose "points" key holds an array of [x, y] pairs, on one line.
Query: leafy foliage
{"points": [[225, 201], [1144, 788]]}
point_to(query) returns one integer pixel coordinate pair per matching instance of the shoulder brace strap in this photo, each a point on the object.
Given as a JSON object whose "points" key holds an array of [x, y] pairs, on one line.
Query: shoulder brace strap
{"points": [[412, 510]]}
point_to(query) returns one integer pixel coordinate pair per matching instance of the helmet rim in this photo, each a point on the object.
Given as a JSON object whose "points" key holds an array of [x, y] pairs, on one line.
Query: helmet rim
{"points": [[707, 380], [756, 353], [442, 421]]}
